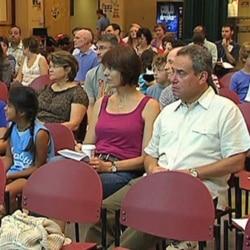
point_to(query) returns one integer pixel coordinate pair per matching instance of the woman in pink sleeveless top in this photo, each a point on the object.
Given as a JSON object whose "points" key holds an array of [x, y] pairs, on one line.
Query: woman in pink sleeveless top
{"points": [[122, 123]]}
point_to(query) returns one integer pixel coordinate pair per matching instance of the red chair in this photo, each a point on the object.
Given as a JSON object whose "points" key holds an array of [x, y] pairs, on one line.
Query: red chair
{"points": [[3, 92], [245, 110], [40, 82], [62, 136], [171, 205], [226, 79], [65, 190], [2, 182], [229, 94], [246, 241]]}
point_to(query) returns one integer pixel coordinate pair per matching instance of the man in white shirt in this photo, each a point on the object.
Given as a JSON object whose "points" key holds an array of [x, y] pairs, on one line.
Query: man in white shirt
{"points": [[202, 134]]}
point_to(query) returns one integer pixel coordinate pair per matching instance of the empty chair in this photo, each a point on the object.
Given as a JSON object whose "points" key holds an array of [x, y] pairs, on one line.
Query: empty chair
{"points": [[62, 136], [226, 79], [3, 92], [229, 94], [65, 190], [181, 209], [40, 82]]}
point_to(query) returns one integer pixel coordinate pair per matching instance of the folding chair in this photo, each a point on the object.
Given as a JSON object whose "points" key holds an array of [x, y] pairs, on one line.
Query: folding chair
{"points": [[2, 182], [62, 136], [40, 82], [226, 79], [65, 190], [171, 205], [229, 94], [3, 92], [246, 241]]}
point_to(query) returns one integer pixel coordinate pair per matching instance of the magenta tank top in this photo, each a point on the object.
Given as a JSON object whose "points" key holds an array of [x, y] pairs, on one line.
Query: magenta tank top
{"points": [[120, 135]]}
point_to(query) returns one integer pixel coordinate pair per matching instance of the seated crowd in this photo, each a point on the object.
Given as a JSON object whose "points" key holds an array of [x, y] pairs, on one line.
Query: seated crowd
{"points": [[144, 102]]}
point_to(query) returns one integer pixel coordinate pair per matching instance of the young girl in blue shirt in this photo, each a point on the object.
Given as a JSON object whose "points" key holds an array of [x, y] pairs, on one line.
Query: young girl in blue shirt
{"points": [[29, 144]]}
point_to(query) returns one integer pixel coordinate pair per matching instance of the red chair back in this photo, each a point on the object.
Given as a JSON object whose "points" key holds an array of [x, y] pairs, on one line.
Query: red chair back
{"points": [[246, 241], [229, 94], [40, 82], [170, 205], [2, 182], [3, 92], [245, 110], [226, 79], [66, 190], [62, 136]]}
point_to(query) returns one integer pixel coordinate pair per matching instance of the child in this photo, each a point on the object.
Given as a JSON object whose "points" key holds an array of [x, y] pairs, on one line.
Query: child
{"points": [[240, 82], [147, 77], [28, 142], [160, 75]]}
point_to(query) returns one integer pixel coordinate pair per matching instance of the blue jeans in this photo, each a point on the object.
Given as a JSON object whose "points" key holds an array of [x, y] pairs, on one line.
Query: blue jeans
{"points": [[111, 182]]}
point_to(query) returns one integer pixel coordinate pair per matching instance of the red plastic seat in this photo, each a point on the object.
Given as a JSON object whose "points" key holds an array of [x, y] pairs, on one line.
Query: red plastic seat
{"points": [[3, 92], [65, 190], [171, 205], [62, 136], [226, 79], [245, 110], [40, 82], [229, 94], [2, 182]]}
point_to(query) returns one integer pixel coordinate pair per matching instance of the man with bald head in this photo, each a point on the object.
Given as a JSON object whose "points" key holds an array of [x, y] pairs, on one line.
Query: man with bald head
{"points": [[86, 57], [211, 47]]}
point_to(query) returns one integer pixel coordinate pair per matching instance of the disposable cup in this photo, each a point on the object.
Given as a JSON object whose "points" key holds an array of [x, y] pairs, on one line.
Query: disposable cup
{"points": [[89, 150]]}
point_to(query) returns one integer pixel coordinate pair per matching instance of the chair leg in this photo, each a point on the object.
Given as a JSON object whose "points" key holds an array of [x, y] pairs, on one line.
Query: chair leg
{"points": [[217, 237], [77, 232], [7, 202], [246, 201], [225, 237]]}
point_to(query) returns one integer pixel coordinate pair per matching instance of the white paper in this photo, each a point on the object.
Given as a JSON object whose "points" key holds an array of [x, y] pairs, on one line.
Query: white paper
{"points": [[78, 156], [227, 65], [241, 222]]}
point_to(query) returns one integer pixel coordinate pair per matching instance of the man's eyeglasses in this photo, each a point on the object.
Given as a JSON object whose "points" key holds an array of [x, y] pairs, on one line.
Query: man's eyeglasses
{"points": [[101, 47]]}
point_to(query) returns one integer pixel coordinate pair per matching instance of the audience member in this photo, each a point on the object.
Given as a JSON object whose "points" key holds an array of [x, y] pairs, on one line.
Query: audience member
{"points": [[118, 158], [28, 142], [102, 23], [131, 39], [146, 78], [160, 30], [144, 37], [167, 96], [87, 58], [115, 29], [240, 81], [64, 101], [184, 139], [160, 76], [5, 68], [95, 85], [16, 46], [200, 30], [4, 42], [33, 63], [228, 51]]}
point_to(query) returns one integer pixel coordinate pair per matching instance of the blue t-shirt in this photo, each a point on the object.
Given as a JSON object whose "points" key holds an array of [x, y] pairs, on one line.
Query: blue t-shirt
{"points": [[240, 83], [19, 141], [86, 61], [3, 121]]}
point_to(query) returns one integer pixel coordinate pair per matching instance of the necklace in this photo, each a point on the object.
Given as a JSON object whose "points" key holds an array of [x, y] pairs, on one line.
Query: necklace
{"points": [[120, 106]]}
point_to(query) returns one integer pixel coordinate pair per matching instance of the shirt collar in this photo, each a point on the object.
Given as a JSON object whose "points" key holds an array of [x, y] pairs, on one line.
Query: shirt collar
{"points": [[204, 100]]}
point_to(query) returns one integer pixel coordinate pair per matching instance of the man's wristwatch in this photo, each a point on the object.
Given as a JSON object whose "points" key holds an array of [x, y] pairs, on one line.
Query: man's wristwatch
{"points": [[193, 172], [113, 167]]}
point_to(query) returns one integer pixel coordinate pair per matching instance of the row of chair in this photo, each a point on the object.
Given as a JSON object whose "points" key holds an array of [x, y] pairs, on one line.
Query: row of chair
{"points": [[183, 210]]}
